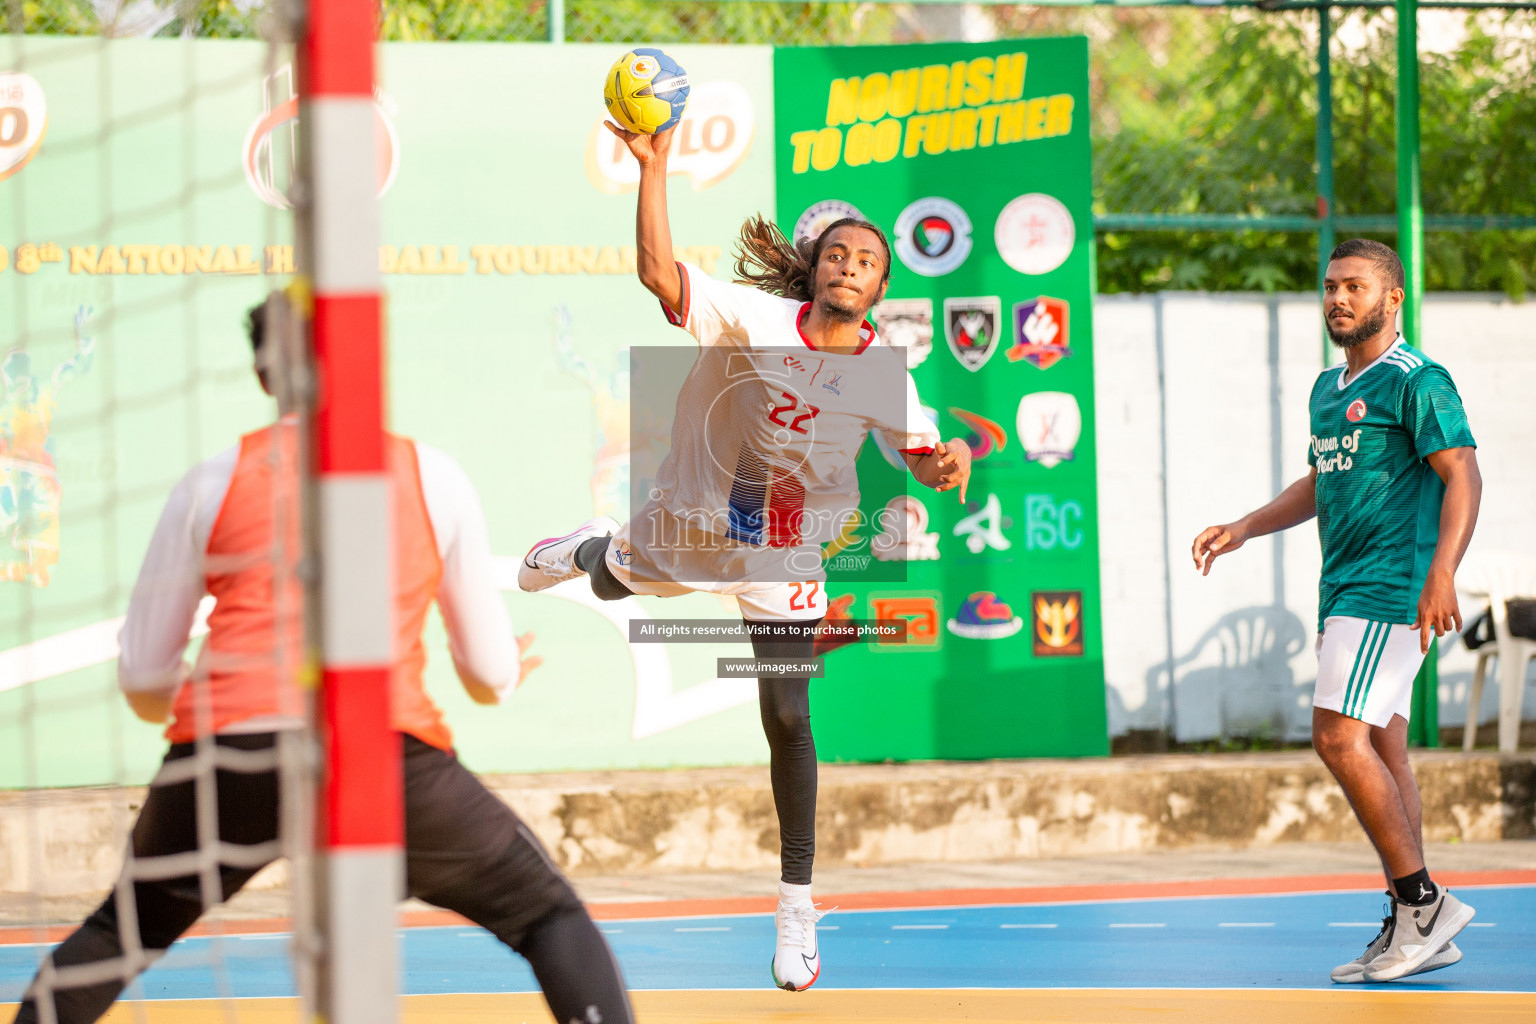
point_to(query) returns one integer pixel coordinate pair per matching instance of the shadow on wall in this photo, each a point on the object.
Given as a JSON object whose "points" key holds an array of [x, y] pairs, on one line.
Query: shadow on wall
{"points": [[1237, 679]]}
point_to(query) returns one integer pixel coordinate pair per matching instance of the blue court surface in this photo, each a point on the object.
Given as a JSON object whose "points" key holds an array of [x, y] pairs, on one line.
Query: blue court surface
{"points": [[1225, 942]]}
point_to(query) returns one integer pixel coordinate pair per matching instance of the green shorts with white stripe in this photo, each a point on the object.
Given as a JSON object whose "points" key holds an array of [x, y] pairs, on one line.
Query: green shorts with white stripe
{"points": [[1366, 669]]}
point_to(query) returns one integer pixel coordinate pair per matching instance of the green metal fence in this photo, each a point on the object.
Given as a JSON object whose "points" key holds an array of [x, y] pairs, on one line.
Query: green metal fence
{"points": [[1219, 164]]}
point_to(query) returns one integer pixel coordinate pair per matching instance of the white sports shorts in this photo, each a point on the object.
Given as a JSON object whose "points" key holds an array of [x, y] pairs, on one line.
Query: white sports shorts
{"points": [[1365, 669], [658, 554]]}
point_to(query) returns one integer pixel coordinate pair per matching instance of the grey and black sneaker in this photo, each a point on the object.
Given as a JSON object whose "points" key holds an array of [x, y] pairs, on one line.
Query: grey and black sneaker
{"points": [[1353, 972], [1415, 935], [553, 559], [1448, 954]]}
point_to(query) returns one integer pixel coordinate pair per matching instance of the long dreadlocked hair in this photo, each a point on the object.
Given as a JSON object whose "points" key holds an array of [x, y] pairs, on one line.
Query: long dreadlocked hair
{"points": [[766, 259]]}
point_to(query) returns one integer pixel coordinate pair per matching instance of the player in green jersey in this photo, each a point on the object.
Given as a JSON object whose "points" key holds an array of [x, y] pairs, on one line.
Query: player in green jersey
{"points": [[1395, 489]]}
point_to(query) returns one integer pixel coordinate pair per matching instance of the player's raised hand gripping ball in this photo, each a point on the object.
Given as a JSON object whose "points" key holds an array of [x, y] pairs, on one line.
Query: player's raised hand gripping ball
{"points": [[646, 91]]}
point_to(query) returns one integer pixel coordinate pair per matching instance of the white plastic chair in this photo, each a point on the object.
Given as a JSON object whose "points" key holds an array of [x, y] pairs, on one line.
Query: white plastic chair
{"points": [[1495, 577]]}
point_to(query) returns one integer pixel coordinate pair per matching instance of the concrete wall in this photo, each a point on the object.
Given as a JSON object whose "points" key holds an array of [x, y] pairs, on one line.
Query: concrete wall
{"points": [[65, 843], [1202, 417]]}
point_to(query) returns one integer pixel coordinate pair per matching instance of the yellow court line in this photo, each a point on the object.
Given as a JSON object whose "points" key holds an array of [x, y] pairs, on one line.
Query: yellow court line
{"points": [[923, 1006]]}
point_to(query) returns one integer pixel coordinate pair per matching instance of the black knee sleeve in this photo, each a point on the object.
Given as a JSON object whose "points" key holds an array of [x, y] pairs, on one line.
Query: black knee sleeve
{"points": [[592, 559]]}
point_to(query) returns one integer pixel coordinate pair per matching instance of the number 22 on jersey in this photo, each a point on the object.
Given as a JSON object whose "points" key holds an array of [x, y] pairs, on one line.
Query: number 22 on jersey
{"points": [[793, 405]]}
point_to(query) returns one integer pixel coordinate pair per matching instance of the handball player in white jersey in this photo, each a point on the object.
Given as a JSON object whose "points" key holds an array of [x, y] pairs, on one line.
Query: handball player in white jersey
{"points": [[789, 380]]}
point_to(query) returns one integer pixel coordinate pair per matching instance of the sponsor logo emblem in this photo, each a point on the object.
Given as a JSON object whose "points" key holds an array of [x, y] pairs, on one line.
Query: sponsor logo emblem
{"points": [[1049, 525], [832, 384], [1040, 332], [820, 216], [985, 437], [983, 617], [708, 145], [933, 236], [623, 554], [983, 528], [920, 613], [907, 324], [23, 121], [794, 364], [970, 326], [1049, 425], [904, 535], [1058, 623], [643, 67], [1356, 411], [1035, 233], [271, 144]]}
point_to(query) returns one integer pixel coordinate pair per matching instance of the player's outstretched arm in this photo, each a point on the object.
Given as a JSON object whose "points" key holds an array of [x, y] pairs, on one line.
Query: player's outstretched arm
{"points": [[1438, 609], [1295, 505], [653, 234], [484, 693], [489, 660], [948, 467]]}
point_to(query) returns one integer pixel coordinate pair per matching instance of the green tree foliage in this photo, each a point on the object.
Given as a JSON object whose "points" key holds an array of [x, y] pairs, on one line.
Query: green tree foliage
{"points": [[1233, 132], [1194, 110]]}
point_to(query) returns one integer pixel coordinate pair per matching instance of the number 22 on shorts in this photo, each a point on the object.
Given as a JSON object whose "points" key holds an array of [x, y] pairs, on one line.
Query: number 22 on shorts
{"points": [[803, 599]]}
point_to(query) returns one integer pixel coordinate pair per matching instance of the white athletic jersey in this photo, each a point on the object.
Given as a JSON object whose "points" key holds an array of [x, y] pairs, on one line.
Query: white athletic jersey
{"points": [[767, 428]]}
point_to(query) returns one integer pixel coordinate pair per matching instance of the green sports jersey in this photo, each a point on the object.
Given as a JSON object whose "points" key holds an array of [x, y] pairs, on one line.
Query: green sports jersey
{"points": [[1378, 500]]}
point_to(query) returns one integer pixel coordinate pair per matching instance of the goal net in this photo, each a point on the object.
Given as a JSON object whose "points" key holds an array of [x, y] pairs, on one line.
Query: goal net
{"points": [[151, 157]]}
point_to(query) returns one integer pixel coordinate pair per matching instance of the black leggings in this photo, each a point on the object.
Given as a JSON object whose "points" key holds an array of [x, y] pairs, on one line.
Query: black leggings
{"points": [[466, 851], [785, 706]]}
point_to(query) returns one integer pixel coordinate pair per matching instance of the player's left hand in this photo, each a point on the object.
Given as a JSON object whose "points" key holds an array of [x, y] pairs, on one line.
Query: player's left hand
{"points": [[952, 466], [1438, 609]]}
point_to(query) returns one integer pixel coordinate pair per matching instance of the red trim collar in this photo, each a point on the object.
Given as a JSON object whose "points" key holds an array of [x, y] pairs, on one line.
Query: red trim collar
{"points": [[866, 331]]}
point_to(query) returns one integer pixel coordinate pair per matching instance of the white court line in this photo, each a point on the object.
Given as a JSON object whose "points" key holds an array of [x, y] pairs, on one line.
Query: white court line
{"points": [[613, 931], [1246, 924], [73, 649], [918, 927], [1354, 924], [1052, 925], [827, 927], [719, 928], [1483, 924], [1137, 924]]}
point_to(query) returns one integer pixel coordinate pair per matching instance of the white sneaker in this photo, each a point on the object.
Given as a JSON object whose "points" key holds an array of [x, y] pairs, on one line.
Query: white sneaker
{"points": [[1448, 954], [797, 958], [553, 559], [1353, 972], [1416, 934]]}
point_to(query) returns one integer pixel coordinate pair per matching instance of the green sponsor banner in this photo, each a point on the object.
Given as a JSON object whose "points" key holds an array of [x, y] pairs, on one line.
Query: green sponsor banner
{"points": [[975, 161], [508, 266]]}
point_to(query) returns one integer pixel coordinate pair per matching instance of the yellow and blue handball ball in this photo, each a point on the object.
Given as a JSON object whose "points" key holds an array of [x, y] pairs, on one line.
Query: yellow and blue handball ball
{"points": [[646, 91]]}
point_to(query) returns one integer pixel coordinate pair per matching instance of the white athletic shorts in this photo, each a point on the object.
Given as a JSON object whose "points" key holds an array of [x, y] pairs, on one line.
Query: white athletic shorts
{"points": [[1365, 669], [658, 554]]}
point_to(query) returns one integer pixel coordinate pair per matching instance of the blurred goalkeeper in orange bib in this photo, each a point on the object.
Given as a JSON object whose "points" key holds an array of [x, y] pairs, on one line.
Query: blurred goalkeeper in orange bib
{"points": [[231, 530], [789, 380]]}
